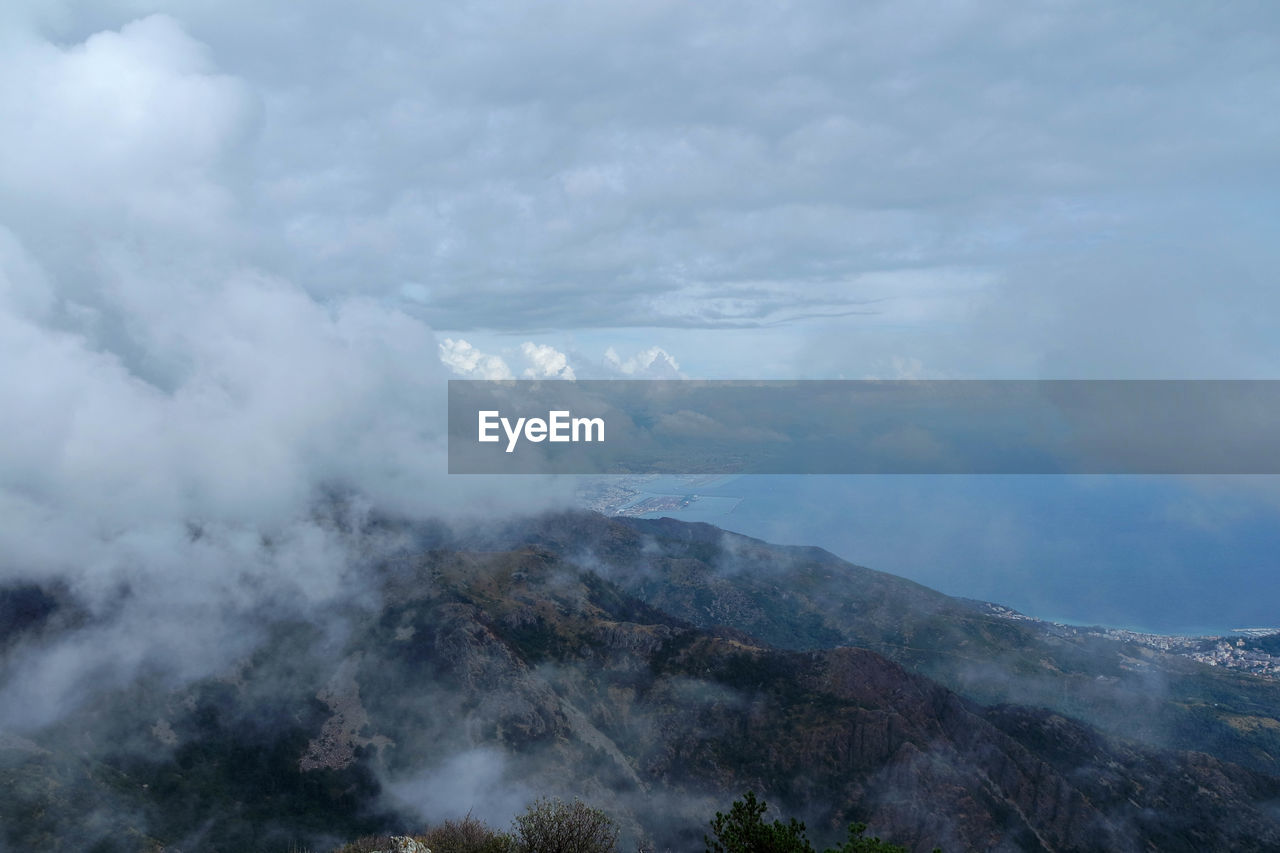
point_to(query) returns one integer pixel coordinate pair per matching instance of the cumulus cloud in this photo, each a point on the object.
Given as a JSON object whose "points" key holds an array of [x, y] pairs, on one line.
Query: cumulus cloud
{"points": [[467, 361], [651, 363], [545, 362], [532, 360], [135, 123], [541, 361]]}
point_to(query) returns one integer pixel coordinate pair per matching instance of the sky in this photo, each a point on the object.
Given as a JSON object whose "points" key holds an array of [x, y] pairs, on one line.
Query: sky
{"points": [[994, 189], [242, 245]]}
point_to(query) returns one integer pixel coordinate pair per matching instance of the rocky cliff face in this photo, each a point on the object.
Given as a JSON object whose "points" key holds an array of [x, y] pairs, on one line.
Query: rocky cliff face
{"points": [[634, 667]]}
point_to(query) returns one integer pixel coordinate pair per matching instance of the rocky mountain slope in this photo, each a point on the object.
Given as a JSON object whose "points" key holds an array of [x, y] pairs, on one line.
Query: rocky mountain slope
{"points": [[803, 598], [655, 668]]}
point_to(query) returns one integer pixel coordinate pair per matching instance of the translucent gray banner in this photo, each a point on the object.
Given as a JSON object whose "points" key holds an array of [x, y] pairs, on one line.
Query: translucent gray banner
{"points": [[864, 427]]}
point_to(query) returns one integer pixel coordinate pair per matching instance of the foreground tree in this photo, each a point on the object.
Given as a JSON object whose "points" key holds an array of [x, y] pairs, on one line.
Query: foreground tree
{"points": [[859, 843], [468, 835], [554, 826], [744, 830]]}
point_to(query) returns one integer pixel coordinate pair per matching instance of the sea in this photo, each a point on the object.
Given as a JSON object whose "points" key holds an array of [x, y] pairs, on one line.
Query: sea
{"points": [[1168, 555]]}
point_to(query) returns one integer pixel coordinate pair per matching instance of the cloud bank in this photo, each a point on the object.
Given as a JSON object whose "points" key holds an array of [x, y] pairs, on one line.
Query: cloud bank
{"points": [[191, 435]]}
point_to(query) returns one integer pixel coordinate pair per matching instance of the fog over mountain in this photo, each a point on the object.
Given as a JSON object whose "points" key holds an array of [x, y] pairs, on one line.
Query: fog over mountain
{"points": [[657, 669], [243, 246]]}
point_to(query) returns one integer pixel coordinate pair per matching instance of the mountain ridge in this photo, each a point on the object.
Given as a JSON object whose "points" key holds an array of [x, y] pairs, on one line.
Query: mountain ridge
{"points": [[569, 647]]}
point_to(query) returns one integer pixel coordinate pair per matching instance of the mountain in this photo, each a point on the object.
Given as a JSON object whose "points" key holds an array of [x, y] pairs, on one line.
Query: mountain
{"points": [[657, 669], [806, 598]]}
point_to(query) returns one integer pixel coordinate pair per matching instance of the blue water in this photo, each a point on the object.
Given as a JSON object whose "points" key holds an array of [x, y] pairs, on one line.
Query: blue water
{"points": [[1161, 554]]}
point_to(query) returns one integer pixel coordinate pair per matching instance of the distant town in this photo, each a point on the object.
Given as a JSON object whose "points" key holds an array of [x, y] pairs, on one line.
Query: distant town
{"points": [[626, 496], [608, 495], [1237, 650]]}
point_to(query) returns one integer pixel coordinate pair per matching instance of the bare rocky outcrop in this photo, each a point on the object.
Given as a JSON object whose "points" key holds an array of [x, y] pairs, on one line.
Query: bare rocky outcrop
{"points": [[405, 844], [336, 745]]}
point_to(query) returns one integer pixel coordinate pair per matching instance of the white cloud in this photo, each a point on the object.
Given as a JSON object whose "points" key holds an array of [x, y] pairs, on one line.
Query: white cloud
{"points": [[186, 423], [467, 361], [651, 363], [542, 361], [130, 123], [545, 362], [255, 403]]}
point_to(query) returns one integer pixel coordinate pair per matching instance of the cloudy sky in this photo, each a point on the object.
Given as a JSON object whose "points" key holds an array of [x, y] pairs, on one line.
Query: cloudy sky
{"points": [[242, 244], [996, 189]]}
